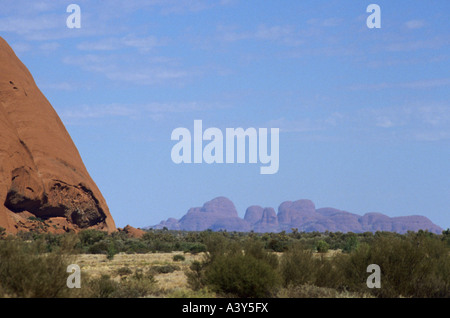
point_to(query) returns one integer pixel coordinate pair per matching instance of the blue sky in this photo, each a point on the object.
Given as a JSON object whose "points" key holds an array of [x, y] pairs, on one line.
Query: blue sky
{"points": [[364, 114]]}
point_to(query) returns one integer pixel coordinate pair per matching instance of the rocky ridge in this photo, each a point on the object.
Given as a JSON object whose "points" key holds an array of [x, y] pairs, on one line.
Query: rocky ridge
{"points": [[220, 214]]}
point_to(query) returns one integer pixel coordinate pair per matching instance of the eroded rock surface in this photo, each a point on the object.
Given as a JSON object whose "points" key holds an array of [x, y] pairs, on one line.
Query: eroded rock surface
{"points": [[43, 181]]}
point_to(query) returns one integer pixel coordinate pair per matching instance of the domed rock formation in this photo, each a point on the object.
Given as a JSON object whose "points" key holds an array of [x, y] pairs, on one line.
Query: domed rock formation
{"points": [[253, 214], [296, 213], [219, 213], [132, 231], [268, 221], [42, 176]]}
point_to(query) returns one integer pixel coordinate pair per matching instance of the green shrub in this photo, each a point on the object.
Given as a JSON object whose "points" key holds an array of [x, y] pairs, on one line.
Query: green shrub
{"points": [[123, 271], [102, 287], [27, 271], [90, 237], [193, 248], [322, 247], [195, 275], [413, 266], [241, 275], [164, 269], [111, 251], [298, 266], [276, 245], [178, 258], [98, 248], [232, 269], [137, 285], [351, 244]]}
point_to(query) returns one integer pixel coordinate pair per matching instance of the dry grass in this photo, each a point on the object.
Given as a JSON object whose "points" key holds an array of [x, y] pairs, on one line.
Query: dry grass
{"points": [[95, 265], [174, 284], [329, 254]]}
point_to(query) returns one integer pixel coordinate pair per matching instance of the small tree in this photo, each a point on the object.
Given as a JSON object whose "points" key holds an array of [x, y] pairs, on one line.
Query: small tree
{"points": [[322, 247]]}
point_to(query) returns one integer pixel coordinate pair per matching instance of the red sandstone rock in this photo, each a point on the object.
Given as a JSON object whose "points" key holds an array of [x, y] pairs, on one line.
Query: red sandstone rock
{"points": [[219, 213], [301, 215], [41, 171], [296, 213], [268, 221], [133, 232], [253, 214]]}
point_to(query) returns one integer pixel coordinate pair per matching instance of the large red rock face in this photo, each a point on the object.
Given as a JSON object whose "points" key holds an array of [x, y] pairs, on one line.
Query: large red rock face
{"points": [[42, 175]]}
